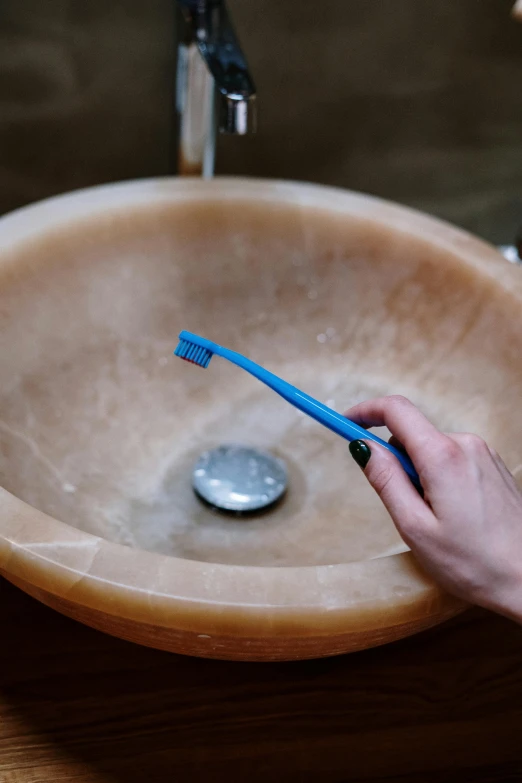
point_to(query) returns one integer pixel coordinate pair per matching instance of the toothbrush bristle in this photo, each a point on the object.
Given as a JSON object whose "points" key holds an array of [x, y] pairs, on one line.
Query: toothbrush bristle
{"points": [[195, 354]]}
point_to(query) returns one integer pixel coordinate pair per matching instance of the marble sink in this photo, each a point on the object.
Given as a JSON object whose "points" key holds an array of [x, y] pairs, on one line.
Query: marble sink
{"points": [[343, 295]]}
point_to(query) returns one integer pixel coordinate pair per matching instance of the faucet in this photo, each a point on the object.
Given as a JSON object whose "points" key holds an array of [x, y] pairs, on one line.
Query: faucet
{"points": [[213, 84]]}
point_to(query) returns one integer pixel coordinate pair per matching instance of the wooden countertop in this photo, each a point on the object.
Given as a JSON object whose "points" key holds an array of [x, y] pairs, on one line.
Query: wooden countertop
{"points": [[82, 707]]}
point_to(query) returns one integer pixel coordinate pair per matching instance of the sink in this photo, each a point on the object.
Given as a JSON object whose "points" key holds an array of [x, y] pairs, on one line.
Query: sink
{"points": [[343, 295]]}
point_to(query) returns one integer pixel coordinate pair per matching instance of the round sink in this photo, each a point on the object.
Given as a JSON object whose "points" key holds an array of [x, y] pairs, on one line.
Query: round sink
{"points": [[343, 295]]}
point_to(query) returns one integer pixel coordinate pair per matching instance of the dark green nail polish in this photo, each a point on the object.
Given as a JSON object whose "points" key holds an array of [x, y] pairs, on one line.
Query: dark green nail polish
{"points": [[361, 453]]}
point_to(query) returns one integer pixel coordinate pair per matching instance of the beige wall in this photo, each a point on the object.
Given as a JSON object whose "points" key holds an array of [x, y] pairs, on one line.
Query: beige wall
{"points": [[415, 100]]}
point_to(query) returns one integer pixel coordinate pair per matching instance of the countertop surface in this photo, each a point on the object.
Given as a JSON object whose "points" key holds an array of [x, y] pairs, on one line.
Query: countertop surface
{"points": [[79, 706]]}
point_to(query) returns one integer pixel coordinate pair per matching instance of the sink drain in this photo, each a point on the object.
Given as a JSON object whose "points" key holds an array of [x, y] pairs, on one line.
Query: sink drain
{"points": [[239, 478]]}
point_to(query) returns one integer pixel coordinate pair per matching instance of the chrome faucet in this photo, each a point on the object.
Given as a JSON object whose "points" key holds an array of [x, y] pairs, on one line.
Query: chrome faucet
{"points": [[213, 84]]}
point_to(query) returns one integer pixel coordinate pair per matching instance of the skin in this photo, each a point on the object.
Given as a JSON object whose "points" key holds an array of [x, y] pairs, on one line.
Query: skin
{"points": [[467, 529]]}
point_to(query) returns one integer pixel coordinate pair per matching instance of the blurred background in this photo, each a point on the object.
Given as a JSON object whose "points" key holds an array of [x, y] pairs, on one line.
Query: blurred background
{"points": [[419, 101]]}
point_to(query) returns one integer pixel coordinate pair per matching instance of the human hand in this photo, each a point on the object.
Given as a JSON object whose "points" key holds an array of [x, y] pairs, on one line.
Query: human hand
{"points": [[467, 529]]}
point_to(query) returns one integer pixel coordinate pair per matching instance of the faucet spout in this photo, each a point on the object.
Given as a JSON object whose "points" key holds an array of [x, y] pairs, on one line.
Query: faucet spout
{"points": [[211, 67]]}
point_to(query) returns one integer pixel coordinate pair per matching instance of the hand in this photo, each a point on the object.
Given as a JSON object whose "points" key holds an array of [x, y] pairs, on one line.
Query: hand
{"points": [[467, 529]]}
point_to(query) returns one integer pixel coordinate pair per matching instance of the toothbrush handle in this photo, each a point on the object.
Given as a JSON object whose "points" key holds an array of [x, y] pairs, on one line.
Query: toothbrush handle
{"points": [[329, 418], [348, 429]]}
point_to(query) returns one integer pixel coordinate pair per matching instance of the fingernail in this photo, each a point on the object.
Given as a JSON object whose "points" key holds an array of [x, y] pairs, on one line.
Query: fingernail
{"points": [[361, 453]]}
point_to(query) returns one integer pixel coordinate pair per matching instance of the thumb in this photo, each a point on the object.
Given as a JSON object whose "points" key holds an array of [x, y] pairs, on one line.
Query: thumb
{"points": [[388, 478]]}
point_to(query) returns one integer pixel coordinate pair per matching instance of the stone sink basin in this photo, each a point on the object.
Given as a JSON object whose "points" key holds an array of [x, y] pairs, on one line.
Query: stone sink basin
{"points": [[345, 296]]}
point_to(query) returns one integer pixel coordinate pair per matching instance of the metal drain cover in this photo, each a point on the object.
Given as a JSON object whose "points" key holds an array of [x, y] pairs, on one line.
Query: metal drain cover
{"points": [[239, 478]]}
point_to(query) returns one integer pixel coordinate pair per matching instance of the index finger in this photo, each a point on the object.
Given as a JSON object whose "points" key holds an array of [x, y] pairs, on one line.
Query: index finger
{"points": [[403, 419]]}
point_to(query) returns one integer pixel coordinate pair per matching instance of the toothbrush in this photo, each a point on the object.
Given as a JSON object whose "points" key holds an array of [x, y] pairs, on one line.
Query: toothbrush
{"points": [[199, 351]]}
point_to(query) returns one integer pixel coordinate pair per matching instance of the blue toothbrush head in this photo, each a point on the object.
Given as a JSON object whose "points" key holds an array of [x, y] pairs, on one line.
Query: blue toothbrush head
{"points": [[194, 349]]}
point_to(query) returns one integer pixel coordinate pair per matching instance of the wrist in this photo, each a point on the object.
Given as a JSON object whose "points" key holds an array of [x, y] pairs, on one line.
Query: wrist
{"points": [[509, 601]]}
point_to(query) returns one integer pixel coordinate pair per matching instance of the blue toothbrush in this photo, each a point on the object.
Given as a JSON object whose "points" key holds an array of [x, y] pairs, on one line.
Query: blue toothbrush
{"points": [[199, 351]]}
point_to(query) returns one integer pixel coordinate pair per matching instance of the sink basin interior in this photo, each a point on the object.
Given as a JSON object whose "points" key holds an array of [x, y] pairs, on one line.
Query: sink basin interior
{"points": [[101, 425]]}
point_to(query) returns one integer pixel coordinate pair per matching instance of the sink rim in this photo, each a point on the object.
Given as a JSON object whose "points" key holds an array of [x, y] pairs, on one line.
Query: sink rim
{"points": [[66, 562], [38, 550]]}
